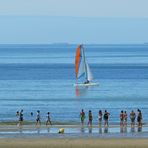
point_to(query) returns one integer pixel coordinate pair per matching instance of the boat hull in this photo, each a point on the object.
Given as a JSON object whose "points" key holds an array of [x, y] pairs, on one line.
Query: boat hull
{"points": [[88, 84]]}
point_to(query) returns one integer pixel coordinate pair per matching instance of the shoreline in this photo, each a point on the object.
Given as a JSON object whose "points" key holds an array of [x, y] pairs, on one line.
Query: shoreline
{"points": [[72, 131]]}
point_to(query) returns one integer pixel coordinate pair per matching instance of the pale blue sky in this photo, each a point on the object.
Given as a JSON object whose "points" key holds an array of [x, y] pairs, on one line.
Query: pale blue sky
{"points": [[73, 21]]}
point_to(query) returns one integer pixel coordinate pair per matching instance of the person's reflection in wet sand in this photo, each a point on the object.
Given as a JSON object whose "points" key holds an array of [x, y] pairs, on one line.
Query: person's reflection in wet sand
{"points": [[125, 129], [105, 129], [121, 129], [48, 129], [90, 129], [82, 129], [132, 129], [20, 130], [38, 130], [139, 129], [100, 129]]}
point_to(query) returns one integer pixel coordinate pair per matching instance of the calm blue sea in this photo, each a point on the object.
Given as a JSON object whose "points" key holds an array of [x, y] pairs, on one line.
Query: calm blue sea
{"points": [[41, 77]]}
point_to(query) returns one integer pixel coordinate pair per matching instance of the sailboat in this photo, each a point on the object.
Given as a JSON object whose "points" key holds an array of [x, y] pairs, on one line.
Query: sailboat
{"points": [[82, 68]]}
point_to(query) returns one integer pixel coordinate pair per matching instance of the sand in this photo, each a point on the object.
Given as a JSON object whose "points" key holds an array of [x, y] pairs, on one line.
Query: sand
{"points": [[73, 143]]}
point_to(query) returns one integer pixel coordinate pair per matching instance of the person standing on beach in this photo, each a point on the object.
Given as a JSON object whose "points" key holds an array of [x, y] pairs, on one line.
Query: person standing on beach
{"points": [[38, 120], [139, 118], [125, 118], [82, 116], [48, 121], [17, 114], [90, 118], [132, 117], [100, 117], [20, 118], [106, 116], [31, 114], [121, 118]]}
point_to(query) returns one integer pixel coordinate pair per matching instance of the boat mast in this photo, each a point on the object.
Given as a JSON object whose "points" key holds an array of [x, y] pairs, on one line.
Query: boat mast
{"points": [[85, 62]]}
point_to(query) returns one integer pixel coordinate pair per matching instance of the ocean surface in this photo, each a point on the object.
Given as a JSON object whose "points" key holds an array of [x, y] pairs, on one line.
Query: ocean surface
{"points": [[41, 77]]}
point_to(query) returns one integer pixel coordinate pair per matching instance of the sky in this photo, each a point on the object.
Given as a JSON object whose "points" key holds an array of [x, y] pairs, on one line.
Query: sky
{"points": [[73, 21]]}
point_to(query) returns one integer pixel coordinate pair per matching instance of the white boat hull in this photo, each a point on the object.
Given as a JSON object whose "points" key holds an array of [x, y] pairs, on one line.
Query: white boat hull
{"points": [[87, 84]]}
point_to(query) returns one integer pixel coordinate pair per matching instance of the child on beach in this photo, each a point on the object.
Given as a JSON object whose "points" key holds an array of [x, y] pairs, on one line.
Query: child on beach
{"points": [[38, 121], [132, 117], [20, 118], [106, 116], [31, 114], [48, 121], [100, 117], [139, 118], [17, 114], [90, 118], [82, 116]]}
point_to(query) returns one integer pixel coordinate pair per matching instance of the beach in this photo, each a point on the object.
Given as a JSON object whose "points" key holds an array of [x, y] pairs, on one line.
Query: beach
{"points": [[31, 136], [36, 78], [73, 143]]}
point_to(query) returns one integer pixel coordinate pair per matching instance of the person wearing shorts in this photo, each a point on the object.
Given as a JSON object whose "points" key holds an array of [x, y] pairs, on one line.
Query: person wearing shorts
{"points": [[132, 117], [38, 120], [82, 116], [48, 121]]}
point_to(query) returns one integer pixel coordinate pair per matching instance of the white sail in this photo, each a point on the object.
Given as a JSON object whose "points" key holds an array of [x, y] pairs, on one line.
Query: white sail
{"points": [[82, 70], [89, 73]]}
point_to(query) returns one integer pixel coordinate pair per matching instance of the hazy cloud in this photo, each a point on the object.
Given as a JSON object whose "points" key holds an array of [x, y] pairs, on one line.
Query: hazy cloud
{"points": [[78, 8]]}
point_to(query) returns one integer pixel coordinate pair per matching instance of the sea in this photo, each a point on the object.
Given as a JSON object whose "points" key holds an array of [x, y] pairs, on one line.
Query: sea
{"points": [[42, 77]]}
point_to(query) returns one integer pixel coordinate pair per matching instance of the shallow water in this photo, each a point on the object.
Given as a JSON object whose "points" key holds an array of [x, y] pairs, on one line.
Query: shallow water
{"points": [[110, 132]]}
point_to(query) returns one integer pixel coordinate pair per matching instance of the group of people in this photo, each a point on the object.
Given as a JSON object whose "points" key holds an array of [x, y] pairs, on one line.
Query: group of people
{"points": [[123, 118], [105, 116], [90, 117], [38, 118], [101, 116]]}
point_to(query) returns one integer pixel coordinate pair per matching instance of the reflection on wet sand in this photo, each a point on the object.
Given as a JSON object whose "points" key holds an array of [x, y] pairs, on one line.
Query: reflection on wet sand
{"points": [[123, 129], [132, 129], [139, 129], [82, 129], [48, 130], [100, 129], [20, 130], [38, 130], [90, 129], [105, 129]]}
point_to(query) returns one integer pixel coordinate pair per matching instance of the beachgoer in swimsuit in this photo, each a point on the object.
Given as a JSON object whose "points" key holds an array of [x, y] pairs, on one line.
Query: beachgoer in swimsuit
{"points": [[20, 118], [139, 118], [48, 121], [90, 118], [82, 116], [38, 120], [100, 117], [125, 118], [132, 117], [106, 116], [121, 118], [31, 113], [17, 114]]}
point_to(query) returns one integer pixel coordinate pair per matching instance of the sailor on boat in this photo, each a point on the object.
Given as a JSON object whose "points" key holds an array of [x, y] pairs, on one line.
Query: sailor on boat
{"points": [[86, 82]]}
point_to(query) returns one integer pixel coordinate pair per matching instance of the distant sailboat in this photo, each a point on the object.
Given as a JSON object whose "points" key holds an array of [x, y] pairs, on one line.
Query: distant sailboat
{"points": [[81, 67]]}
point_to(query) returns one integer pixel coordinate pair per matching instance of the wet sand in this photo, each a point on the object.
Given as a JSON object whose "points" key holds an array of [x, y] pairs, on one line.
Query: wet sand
{"points": [[73, 143]]}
